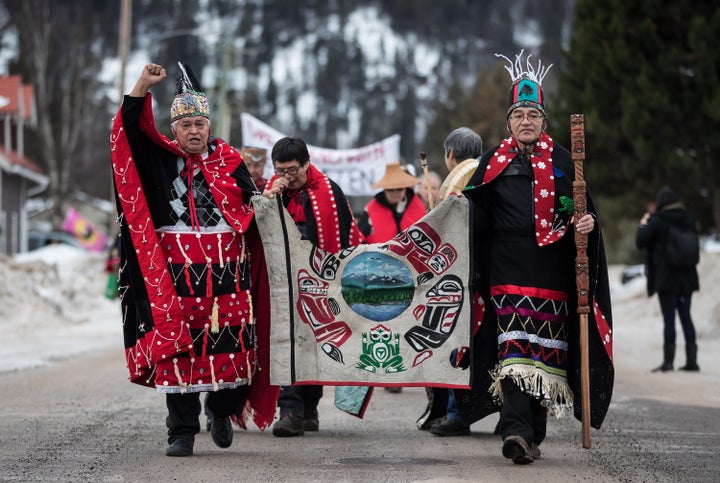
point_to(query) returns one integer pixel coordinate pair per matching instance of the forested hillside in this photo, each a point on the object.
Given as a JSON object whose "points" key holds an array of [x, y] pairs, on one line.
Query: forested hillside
{"points": [[339, 73], [344, 73]]}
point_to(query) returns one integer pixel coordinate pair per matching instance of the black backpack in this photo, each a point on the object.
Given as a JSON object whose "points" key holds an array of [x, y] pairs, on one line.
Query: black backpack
{"points": [[683, 249]]}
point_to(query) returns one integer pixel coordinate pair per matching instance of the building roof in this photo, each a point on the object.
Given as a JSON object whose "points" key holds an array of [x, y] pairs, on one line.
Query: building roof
{"points": [[16, 99], [12, 162]]}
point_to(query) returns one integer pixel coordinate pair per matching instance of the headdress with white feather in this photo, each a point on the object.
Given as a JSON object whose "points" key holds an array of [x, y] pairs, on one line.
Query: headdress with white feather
{"points": [[526, 90]]}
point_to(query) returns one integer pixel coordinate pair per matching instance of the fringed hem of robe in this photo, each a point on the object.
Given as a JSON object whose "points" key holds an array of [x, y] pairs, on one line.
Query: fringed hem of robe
{"points": [[553, 391]]}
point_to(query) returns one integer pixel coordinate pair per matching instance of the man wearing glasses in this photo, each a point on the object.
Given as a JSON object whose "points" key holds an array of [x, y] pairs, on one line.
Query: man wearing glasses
{"points": [[323, 216], [525, 271]]}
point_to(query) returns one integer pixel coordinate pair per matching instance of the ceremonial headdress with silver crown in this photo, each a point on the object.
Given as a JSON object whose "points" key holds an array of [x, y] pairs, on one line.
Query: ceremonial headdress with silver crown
{"points": [[190, 100]]}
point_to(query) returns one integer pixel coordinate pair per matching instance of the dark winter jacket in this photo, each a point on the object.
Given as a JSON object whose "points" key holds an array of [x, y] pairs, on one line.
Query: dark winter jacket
{"points": [[653, 236]]}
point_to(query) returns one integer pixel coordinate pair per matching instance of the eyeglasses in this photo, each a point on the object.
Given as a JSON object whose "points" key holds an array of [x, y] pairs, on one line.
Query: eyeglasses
{"points": [[292, 171], [531, 116]]}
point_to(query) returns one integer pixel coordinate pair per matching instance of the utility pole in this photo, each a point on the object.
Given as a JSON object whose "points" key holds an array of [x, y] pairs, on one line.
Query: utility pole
{"points": [[223, 109], [124, 41], [123, 51]]}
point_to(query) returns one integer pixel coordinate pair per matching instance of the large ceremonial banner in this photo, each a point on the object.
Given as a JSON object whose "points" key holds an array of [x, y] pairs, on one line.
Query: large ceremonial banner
{"points": [[355, 170], [376, 315]]}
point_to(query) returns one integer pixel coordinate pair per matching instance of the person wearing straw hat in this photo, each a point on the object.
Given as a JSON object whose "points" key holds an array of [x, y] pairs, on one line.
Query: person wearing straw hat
{"points": [[394, 208], [524, 252], [191, 265], [391, 211]]}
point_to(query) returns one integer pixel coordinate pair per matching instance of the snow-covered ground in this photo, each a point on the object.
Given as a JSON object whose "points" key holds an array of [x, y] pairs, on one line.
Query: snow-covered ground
{"points": [[52, 307]]}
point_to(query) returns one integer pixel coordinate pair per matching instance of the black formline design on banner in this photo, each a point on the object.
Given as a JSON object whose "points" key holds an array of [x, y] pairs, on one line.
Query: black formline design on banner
{"points": [[291, 298], [289, 343], [471, 290]]}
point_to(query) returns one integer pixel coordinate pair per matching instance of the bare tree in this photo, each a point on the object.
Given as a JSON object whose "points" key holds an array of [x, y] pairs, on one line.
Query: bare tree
{"points": [[60, 46]]}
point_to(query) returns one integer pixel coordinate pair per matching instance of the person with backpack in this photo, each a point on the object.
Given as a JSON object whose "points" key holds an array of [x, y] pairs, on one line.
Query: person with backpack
{"points": [[670, 239]]}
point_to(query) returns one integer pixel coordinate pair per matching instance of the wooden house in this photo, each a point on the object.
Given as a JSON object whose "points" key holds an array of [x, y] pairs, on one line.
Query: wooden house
{"points": [[20, 178]]}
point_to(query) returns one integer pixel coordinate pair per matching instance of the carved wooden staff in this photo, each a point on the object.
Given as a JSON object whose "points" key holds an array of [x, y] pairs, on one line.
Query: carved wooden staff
{"points": [[577, 140], [423, 163]]}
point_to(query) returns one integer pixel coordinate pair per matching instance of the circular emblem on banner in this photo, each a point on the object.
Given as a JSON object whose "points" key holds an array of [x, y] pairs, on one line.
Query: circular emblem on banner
{"points": [[377, 286]]}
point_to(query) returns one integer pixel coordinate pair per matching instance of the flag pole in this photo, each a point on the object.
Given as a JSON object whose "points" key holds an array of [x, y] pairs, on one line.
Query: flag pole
{"points": [[577, 141]]}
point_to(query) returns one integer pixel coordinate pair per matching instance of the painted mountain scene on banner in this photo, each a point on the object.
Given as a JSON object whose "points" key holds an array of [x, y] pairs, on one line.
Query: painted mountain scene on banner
{"points": [[377, 286]]}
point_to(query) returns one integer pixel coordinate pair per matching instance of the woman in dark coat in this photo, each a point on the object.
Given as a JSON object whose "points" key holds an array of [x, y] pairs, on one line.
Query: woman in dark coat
{"points": [[673, 284]]}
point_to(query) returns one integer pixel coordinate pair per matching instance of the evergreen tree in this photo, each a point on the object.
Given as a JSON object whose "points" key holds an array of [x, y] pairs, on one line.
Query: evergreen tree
{"points": [[645, 74], [446, 118], [489, 102], [481, 108]]}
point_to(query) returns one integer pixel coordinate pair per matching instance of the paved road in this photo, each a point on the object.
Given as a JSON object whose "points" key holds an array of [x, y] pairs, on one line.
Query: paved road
{"points": [[80, 420]]}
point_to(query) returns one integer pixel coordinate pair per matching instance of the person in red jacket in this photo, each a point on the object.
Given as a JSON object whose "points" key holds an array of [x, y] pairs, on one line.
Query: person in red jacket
{"points": [[393, 209]]}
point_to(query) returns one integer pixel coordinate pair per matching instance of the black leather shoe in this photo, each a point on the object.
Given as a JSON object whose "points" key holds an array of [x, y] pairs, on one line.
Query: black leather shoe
{"points": [[535, 451], [181, 447], [450, 427], [311, 421], [435, 410], [222, 431], [289, 425], [517, 449]]}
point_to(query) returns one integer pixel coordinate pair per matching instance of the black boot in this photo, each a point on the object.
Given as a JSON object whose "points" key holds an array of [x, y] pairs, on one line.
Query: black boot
{"points": [[182, 446], [436, 408], [690, 358], [668, 357], [221, 431]]}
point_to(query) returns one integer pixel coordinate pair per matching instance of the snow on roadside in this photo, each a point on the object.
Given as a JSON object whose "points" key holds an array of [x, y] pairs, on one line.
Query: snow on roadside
{"points": [[52, 306]]}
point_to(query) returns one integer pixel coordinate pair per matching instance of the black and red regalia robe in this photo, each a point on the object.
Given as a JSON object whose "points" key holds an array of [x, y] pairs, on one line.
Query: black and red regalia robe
{"points": [[195, 296], [524, 270]]}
